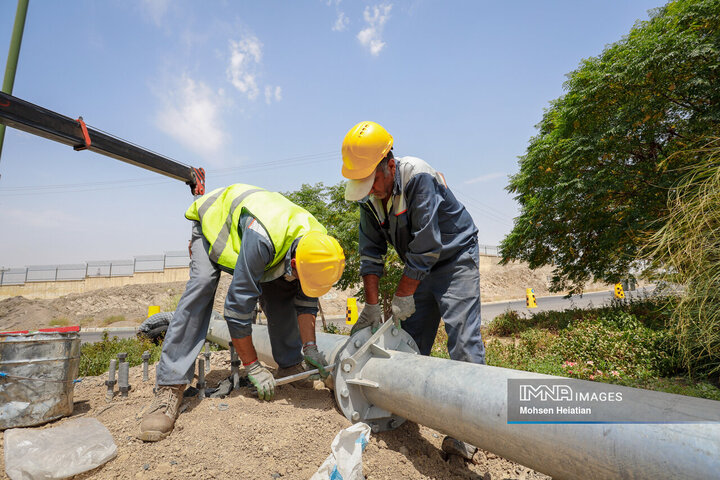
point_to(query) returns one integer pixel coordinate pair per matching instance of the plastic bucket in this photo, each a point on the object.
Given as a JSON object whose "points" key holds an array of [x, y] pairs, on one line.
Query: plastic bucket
{"points": [[36, 377]]}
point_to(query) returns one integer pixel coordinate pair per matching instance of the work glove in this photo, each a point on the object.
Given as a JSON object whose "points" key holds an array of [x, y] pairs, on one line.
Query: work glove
{"points": [[315, 359], [371, 316], [402, 308], [262, 379]]}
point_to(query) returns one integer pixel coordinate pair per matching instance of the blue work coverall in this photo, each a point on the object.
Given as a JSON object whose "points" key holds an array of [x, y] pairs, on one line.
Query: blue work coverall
{"points": [[436, 238], [278, 291]]}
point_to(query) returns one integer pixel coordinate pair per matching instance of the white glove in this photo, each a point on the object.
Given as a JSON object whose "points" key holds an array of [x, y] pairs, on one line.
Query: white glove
{"points": [[371, 316], [262, 379], [402, 308]]}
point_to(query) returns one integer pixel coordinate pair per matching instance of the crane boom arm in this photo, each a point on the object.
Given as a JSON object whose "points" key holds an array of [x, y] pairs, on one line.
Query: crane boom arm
{"points": [[25, 116]]}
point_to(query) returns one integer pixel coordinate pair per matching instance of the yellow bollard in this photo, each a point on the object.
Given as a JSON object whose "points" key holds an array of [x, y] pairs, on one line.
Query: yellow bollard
{"points": [[153, 309], [352, 311], [530, 301], [619, 292]]}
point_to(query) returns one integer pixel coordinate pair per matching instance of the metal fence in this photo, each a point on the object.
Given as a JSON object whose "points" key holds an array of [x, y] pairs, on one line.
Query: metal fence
{"points": [[120, 268], [489, 250], [80, 271]]}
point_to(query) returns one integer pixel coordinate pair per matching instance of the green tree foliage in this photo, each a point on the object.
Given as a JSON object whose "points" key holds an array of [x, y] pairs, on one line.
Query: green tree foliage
{"points": [[687, 251], [595, 180], [341, 218]]}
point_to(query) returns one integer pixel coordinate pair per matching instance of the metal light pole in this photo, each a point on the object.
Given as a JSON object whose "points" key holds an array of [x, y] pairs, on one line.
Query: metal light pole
{"points": [[384, 385], [13, 54]]}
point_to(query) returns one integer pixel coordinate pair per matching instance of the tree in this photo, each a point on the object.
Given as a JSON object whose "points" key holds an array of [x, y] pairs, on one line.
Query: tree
{"points": [[342, 220], [594, 181]]}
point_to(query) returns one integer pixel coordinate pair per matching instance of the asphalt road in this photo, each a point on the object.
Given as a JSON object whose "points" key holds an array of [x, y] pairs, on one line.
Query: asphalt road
{"points": [[489, 310], [559, 303]]}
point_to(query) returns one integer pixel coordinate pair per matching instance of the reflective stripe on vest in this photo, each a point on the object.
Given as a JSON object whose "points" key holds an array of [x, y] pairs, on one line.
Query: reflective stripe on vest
{"points": [[221, 241], [219, 213]]}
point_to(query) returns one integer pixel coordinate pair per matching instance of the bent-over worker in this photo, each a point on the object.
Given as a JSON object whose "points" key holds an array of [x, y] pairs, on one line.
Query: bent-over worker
{"points": [[277, 253]]}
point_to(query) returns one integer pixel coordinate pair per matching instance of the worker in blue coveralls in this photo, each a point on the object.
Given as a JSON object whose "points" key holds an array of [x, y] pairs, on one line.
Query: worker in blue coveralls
{"points": [[408, 204], [277, 253]]}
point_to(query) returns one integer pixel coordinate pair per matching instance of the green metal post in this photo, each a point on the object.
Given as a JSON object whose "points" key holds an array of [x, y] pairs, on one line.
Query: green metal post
{"points": [[13, 55]]}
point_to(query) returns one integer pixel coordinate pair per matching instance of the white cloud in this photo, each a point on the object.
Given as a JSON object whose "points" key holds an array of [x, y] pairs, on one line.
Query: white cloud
{"points": [[245, 56], [371, 37], [191, 115], [485, 178], [272, 93], [155, 9], [341, 23]]}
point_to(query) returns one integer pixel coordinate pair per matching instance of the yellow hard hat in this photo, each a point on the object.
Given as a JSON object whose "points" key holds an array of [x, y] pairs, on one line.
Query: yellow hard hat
{"points": [[320, 262], [364, 146]]}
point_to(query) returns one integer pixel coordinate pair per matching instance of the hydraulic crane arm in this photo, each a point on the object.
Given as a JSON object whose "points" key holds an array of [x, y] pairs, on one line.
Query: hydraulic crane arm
{"points": [[22, 115]]}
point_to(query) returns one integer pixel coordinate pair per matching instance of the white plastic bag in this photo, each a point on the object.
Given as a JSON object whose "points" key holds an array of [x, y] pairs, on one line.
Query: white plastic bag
{"points": [[74, 447], [345, 461]]}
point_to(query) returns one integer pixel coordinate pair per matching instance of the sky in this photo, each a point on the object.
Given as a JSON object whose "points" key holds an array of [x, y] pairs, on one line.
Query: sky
{"points": [[263, 92]]}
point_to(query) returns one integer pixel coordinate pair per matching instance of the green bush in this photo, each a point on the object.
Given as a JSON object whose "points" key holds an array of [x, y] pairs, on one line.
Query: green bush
{"points": [[113, 319], [626, 340], [59, 322], [95, 357]]}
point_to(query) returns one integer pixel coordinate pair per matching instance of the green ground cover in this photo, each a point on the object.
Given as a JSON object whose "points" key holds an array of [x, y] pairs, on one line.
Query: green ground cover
{"points": [[627, 343]]}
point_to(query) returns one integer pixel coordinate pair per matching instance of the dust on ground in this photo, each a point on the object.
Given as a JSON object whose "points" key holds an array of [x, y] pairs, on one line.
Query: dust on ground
{"points": [[288, 438], [127, 306], [248, 439]]}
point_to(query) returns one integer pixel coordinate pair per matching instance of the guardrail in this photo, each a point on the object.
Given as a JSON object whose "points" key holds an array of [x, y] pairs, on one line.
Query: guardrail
{"points": [[80, 271]]}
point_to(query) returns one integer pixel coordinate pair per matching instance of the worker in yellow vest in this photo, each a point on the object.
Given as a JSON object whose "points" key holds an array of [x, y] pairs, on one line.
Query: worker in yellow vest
{"points": [[277, 253]]}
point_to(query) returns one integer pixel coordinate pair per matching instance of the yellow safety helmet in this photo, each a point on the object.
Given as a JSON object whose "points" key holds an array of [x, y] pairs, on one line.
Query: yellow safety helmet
{"points": [[320, 262], [364, 146]]}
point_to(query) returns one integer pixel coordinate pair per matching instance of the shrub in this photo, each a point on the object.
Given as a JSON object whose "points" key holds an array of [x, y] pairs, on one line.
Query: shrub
{"points": [[59, 322], [95, 357], [113, 319]]}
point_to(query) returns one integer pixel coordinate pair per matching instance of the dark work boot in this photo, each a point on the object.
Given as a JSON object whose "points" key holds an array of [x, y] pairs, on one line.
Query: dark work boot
{"points": [[452, 446]]}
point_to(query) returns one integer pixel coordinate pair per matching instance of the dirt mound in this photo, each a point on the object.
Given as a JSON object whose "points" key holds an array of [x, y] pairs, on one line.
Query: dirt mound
{"points": [[127, 305], [288, 438], [122, 306]]}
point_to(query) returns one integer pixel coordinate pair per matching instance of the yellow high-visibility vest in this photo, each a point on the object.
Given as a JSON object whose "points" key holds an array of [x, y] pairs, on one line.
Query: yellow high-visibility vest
{"points": [[219, 213]]}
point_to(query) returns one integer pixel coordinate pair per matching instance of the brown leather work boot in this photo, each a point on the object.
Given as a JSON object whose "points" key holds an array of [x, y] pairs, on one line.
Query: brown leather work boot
{"points": [[306, 384], [159, 418]]}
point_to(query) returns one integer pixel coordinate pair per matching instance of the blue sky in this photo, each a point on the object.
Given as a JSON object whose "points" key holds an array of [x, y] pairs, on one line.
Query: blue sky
{"points": [[262, 92]]}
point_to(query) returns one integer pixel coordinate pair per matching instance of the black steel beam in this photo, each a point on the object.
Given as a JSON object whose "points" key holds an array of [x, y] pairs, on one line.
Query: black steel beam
{"points": [[25, 116]]}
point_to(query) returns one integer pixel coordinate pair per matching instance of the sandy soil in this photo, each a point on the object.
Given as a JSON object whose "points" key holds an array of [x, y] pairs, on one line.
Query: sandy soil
{"points": [[245, 438]]}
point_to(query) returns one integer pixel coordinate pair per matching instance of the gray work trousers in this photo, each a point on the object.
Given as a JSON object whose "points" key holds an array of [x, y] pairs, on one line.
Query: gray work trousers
{"points": [[188, 328], [450, 291]]}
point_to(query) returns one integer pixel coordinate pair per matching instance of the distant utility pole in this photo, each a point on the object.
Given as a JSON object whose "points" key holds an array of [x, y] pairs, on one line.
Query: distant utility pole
{"points": [[13, 54]]}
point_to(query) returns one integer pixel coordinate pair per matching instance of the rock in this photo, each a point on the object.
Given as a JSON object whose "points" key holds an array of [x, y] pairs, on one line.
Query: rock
{"points": [[404, 451], [146, 466]]}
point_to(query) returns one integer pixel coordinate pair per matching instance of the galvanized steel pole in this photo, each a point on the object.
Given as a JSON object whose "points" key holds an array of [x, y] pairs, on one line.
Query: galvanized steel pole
{"points": [[13, 55], [469, 402]]}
